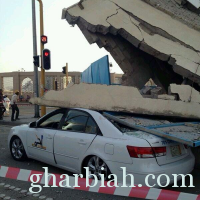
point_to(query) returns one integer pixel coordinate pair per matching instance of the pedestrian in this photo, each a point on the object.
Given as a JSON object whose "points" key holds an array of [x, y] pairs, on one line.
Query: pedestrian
{"points": [[3, 107], [1, 104], [14, 106], [6, 104]]}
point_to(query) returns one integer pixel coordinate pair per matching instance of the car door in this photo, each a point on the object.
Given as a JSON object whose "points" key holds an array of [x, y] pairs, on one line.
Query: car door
{"points": [[74, 138], [40, 138]]}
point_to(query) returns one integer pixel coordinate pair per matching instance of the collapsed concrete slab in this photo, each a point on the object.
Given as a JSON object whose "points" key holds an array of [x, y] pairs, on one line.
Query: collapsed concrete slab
{"points": [[148, 39], [116, 98], [185, 93], [166, 97]]}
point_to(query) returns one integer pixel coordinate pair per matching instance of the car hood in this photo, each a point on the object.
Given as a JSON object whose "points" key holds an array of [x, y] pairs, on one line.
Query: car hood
{"points": [[24, 126]]}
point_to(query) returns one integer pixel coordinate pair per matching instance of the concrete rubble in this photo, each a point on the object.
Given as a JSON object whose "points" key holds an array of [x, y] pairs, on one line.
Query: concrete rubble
{"points": [[116, 98], [185, 93], [166, 97], [155, 43], [155, 39]]}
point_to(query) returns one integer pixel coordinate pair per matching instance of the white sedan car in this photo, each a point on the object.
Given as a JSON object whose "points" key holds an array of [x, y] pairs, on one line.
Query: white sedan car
{"points": [[75, 138]]}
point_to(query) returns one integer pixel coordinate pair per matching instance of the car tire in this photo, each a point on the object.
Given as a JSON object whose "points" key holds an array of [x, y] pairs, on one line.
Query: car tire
{"points": [[96, 167], [17, 149]]}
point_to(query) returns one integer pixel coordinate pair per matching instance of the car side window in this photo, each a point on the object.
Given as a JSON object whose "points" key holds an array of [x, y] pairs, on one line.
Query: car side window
{"points": [[91, 126], [75, 121], [52, 122]]}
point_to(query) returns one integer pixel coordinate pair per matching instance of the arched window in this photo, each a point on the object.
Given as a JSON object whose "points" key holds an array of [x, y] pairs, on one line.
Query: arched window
{"points": [[27, 85]]}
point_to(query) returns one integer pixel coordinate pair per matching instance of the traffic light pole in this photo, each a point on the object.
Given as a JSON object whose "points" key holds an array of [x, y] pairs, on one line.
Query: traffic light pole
{"points": [[42, 76], [36, 90]]}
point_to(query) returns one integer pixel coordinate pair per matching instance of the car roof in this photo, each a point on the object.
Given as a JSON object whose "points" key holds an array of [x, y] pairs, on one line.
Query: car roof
{"points": [[92, 112]]}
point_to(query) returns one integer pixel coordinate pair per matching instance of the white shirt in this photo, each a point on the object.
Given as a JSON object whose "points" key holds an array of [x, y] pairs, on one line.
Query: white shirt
{"points": [[6, 101], [13, 99]]}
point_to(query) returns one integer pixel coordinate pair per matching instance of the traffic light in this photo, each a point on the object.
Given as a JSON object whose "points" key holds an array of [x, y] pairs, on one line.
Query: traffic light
{"points": [[64, 70], [46, 59], [44, 39], [36, 61]]}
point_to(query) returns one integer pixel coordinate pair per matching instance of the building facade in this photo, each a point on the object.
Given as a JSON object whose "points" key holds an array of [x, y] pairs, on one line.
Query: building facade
{"points": [[24, 81]]}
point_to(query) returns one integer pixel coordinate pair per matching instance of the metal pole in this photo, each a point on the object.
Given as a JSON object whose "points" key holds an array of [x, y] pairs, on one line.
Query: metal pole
{"points": [[36, 89], [66, 74], [42, 78]]}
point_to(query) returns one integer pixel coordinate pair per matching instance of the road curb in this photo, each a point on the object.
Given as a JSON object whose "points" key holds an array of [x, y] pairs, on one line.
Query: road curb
{"points": [[137, 192]]}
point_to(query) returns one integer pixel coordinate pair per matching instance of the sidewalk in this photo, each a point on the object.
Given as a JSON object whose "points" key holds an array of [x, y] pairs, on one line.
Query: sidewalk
{"points": [[26, 116], [25, 119]]}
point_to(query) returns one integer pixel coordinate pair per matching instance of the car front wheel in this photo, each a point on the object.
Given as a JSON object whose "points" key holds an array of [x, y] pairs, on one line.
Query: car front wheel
{"points": [[17, 149]]}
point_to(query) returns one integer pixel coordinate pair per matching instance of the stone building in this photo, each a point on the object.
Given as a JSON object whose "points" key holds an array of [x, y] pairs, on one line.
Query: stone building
{"points": [[24, 81]]}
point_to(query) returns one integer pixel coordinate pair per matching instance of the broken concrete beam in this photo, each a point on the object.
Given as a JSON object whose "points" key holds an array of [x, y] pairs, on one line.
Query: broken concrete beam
{"points": [[116, 98], [180, 2], [185, 92], [179, 13], [166, 97], [155, 27]]}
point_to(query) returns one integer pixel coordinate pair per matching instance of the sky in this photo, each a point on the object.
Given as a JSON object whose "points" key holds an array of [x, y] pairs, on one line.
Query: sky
{"points": [[66, 43]]}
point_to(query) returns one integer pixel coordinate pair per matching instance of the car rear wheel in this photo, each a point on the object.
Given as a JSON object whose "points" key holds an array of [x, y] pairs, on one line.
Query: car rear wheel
{"points": [[17, 149], [97, 167]]}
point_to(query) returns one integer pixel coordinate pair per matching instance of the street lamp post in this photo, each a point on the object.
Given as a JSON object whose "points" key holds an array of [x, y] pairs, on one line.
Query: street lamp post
{"points": [[36, 91], [42, 77]]}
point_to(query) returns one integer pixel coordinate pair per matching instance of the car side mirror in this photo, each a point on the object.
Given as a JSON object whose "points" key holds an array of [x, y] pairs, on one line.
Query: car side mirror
{"points": [[33, 125]]}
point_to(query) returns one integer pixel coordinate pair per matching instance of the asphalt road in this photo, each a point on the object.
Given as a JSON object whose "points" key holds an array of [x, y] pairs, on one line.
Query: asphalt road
{"points": [[55, 193]]}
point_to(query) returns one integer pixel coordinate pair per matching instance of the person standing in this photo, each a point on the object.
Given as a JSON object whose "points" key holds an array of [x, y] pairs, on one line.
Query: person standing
{"points": [[6, 104], [14, 106], [1, 104]]}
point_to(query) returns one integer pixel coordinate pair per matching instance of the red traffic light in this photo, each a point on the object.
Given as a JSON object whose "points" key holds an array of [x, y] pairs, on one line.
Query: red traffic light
{"points": [[46, 53], [44, 39], [46, 59]]}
